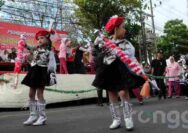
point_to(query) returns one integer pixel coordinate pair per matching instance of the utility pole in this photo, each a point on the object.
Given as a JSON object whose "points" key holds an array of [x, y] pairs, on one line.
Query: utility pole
{"points": [[152, 17], [143, 42], [143, 37], [153, 24]]}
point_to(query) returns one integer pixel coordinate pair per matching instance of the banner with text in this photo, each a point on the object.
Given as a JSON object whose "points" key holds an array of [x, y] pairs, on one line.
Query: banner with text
{"points": [[10, 33]]}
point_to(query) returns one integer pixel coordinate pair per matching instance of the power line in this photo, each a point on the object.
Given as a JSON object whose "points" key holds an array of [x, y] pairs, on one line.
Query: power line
{"points": [[160, 3], [175, 11], [164, 15], [180, 12], [169, 17], [157, 27]]}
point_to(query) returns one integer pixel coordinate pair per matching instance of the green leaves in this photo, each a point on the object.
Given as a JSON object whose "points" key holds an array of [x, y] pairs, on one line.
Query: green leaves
{"points": [[175, 39], [93, 14], [97, 12]]}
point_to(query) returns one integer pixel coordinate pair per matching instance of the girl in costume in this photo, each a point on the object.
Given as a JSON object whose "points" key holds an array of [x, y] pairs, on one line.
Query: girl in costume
{"points": [[114, 75], [41, 74]]}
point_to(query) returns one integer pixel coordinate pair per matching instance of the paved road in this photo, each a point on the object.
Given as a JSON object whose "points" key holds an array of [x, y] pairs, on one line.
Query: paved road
{"points": [[95, 119]]}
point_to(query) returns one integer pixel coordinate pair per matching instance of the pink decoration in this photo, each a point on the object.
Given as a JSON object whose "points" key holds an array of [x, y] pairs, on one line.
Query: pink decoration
{"points": [[19, 58], [131, 63]]}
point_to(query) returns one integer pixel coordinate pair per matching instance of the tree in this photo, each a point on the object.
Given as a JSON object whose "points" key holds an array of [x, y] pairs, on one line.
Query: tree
{"points": [[93, 14], [175, 40]]}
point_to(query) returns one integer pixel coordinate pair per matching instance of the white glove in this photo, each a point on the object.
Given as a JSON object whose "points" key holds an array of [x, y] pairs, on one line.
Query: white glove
{"points": [[52, 63], [53, 78], [98, 41], [109, 59]]}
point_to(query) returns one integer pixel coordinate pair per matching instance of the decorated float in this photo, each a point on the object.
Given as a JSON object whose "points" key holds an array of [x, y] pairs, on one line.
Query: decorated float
{"points": [[69, 87]]}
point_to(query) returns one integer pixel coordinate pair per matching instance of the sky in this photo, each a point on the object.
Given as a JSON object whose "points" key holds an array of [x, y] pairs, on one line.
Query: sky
{"points": [[168, 10]]}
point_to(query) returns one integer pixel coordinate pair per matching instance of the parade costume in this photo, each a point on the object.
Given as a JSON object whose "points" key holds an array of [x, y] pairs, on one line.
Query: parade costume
{"points": [[41, 74], [184, 74], [117, 75], [116, 70]]}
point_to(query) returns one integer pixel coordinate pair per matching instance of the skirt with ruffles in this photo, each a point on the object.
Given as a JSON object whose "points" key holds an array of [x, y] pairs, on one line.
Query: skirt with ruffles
{"points": [[37, 77], [116, 76]]}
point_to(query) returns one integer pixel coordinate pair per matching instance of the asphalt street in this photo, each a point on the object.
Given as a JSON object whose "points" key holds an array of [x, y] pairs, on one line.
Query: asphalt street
{"points": [[164, 116]]}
